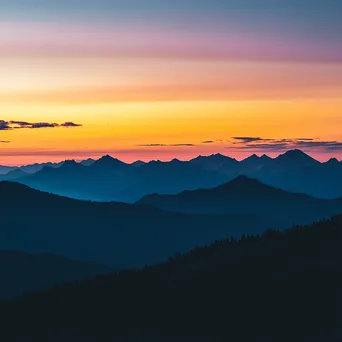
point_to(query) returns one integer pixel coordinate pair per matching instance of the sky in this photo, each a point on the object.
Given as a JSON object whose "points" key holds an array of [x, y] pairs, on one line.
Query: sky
{"points": [[155, 79]]}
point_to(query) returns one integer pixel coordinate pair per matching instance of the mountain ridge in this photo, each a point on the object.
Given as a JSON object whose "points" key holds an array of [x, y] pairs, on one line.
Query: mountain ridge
{"points": [[115, 234], [109, 179], [248, 195], [282, 285]]}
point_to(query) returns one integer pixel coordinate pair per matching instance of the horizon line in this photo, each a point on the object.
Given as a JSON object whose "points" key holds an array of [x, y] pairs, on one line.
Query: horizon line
{"points": [[100, 155]]}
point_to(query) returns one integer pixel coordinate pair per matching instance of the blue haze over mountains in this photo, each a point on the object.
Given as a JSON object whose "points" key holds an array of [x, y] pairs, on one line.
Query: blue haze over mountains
{"points": [[191, 234], [156, 226], [109, 179]]}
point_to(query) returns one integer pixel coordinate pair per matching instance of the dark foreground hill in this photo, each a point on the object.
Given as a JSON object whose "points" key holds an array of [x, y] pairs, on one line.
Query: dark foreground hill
{"points": [[22, 272], [283, 286], [246, 195], [117, 234]]}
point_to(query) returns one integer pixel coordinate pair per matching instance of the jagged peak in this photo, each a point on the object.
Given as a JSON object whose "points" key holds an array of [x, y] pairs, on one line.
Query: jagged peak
{"points": [[265, 157], [333, 161], [251, 157], [215, 156], [295, 156], [69, 162], [175, 160], [295, 153], [108, 160]]}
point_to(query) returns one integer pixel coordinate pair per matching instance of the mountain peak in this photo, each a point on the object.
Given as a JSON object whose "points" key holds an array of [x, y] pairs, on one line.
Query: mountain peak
{"points": [[222, 157], [216, 158], [175, 160], [108, 160], [138, 163], [69, 162], [242, 179], [87, 162], [296, 153], [296, 156], [265, 157], [241, 182], [252, 157], [333, 161]]}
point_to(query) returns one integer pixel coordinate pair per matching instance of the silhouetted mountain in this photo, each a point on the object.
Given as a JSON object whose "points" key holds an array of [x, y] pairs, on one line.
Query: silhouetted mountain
{"points": [[293, 171], [296, 157], [245, 195], [33, 168], [6, 169], [171, 178], [297, 172], [283, 286], [28, 169], [13, 175], [138, 163], [64, 180], [109, 179], [87, 162], [254, 163], [332, 162], [109, 162], [215, 162], [22, 272], [117, 234], [69, 166]]}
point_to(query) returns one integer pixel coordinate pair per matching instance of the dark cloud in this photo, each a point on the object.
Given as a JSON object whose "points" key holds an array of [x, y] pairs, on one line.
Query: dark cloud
{"points": [[4, 125], [328, 145], [166, 145], [264, 146], [70, 124], [208, 142], [274, 145], [43, 125], [4, 141], [19, 123], [247, 139], [13, 124]]}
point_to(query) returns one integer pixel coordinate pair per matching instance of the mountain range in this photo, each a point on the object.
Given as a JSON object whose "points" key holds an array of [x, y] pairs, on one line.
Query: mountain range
{"points": [[246, 195], [116, 234], [109, 179], [125, 235]]}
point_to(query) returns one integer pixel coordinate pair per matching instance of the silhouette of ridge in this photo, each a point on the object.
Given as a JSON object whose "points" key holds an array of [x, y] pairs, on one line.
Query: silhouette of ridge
{"points": [[296, 156], [244, 194], [281, 286], [115, 234], [108, 160], [22, 272], [109, 179]]}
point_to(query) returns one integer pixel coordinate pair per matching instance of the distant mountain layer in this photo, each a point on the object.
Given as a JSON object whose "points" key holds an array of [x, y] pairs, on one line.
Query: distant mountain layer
{"points": [[245, 195], [293, 171], [117, 234], [279, 287], [109, 179], [22, 272]]}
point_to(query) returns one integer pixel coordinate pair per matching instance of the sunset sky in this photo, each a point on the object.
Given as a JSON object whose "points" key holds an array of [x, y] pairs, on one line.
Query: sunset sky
{"points": [[155, 79]]}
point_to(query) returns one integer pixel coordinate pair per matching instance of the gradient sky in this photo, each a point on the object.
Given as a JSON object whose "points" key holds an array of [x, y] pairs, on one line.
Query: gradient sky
{"points": [[155, 79]]}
